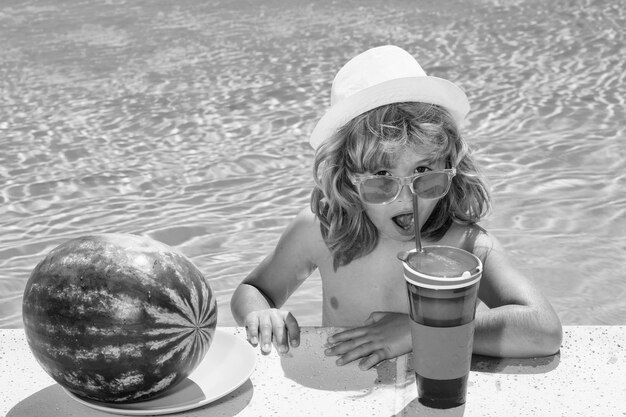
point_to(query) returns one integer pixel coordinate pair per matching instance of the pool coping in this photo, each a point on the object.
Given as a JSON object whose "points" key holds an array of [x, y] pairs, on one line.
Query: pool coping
{"points": [[586, 378]]}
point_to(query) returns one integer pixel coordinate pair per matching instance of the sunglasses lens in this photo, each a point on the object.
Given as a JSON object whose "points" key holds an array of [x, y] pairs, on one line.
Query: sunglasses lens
{"points": [[433, 185], [378, 190]]}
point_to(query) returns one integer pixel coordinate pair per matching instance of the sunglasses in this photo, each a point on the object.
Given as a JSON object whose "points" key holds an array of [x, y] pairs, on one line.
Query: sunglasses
{"points": [[383, 189]]}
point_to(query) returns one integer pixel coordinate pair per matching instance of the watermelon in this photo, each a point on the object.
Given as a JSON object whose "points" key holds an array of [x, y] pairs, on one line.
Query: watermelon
{"points": [[117, 317]]}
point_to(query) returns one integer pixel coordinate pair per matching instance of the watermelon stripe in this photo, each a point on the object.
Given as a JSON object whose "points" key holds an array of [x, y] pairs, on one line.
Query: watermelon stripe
{"points": [[195, 301], [205, 299], [123, 384], [160, 316], [95, 353], [196, 348], [181, 305], [164, 331], [210, 313], [160, 344], [182, 347], [156, 388]]}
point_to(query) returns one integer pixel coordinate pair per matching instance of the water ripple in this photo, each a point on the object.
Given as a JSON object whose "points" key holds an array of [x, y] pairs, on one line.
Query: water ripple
{"points": [[187, 121]]}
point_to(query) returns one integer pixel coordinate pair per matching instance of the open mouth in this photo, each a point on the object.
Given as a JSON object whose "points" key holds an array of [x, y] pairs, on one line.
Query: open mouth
{"points": [[404, 222]]}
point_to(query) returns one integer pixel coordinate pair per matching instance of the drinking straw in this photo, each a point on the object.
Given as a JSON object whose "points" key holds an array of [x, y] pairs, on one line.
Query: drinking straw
{"points": [[418, 237]]}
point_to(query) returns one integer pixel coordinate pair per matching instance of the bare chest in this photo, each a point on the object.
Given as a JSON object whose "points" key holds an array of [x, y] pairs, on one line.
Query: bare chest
{"points": [[353, 292], [372, 283]]}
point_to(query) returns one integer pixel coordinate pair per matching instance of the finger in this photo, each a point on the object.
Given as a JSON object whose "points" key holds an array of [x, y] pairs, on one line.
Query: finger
{"points": [[372, 360], [374, 317], [280, 337], [347, 335], [265, 326], [252, 329], [358, 352], [353, 345], [342, 348], [293, 328]]}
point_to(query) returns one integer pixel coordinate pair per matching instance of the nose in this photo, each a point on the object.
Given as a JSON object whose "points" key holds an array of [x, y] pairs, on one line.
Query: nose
{"points": [[405, 194]]}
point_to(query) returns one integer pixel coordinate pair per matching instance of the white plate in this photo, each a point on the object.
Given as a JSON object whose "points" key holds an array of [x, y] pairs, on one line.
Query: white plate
{"points": [[227, 365]]}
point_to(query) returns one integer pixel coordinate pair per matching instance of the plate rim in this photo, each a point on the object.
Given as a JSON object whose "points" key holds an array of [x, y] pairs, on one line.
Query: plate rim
{"points": [[119, 408]]}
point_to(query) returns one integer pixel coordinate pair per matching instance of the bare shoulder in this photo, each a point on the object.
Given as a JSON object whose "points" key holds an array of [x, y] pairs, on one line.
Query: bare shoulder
{"points": [[291, 261], [304, 236], [502, 283], [307, 224], [472, 238], [306, 219]]}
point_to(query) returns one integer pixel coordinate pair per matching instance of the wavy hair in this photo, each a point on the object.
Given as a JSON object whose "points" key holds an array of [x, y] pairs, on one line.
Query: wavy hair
{"points": [[373, 141]]}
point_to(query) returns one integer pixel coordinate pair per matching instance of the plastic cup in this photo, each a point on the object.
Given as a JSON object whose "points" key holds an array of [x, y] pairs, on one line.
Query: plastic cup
{"points": [[442, 284]]}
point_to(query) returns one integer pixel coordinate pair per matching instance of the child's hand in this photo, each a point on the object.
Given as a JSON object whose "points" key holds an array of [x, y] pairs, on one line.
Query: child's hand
{"points": [[273, 325], [384, 336]]}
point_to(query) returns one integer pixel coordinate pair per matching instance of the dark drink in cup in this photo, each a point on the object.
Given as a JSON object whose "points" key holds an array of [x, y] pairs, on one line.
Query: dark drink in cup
{"points": [[442, 284]]}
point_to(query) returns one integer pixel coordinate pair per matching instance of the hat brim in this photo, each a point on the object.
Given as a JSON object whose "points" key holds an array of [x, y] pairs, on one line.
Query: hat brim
{"points": [[426, 89]]}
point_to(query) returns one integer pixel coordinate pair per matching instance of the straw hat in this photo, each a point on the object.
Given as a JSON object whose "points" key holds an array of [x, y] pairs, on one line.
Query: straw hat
{"points": [[384, 75]]}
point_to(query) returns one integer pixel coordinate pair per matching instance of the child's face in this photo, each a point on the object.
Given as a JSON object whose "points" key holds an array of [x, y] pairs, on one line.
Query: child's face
{"points": [[395, 220]]}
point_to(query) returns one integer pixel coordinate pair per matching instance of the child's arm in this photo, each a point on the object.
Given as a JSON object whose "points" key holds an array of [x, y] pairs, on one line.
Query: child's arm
{"points": [[257, 300], [521, 322]]}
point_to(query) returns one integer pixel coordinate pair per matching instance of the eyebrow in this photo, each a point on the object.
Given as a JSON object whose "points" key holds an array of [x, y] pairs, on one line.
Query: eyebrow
{"points": [[421, 162]]}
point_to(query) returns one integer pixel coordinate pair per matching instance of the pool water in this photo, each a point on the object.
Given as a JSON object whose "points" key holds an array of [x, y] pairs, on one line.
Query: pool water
{"points": [[188, 122]]}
